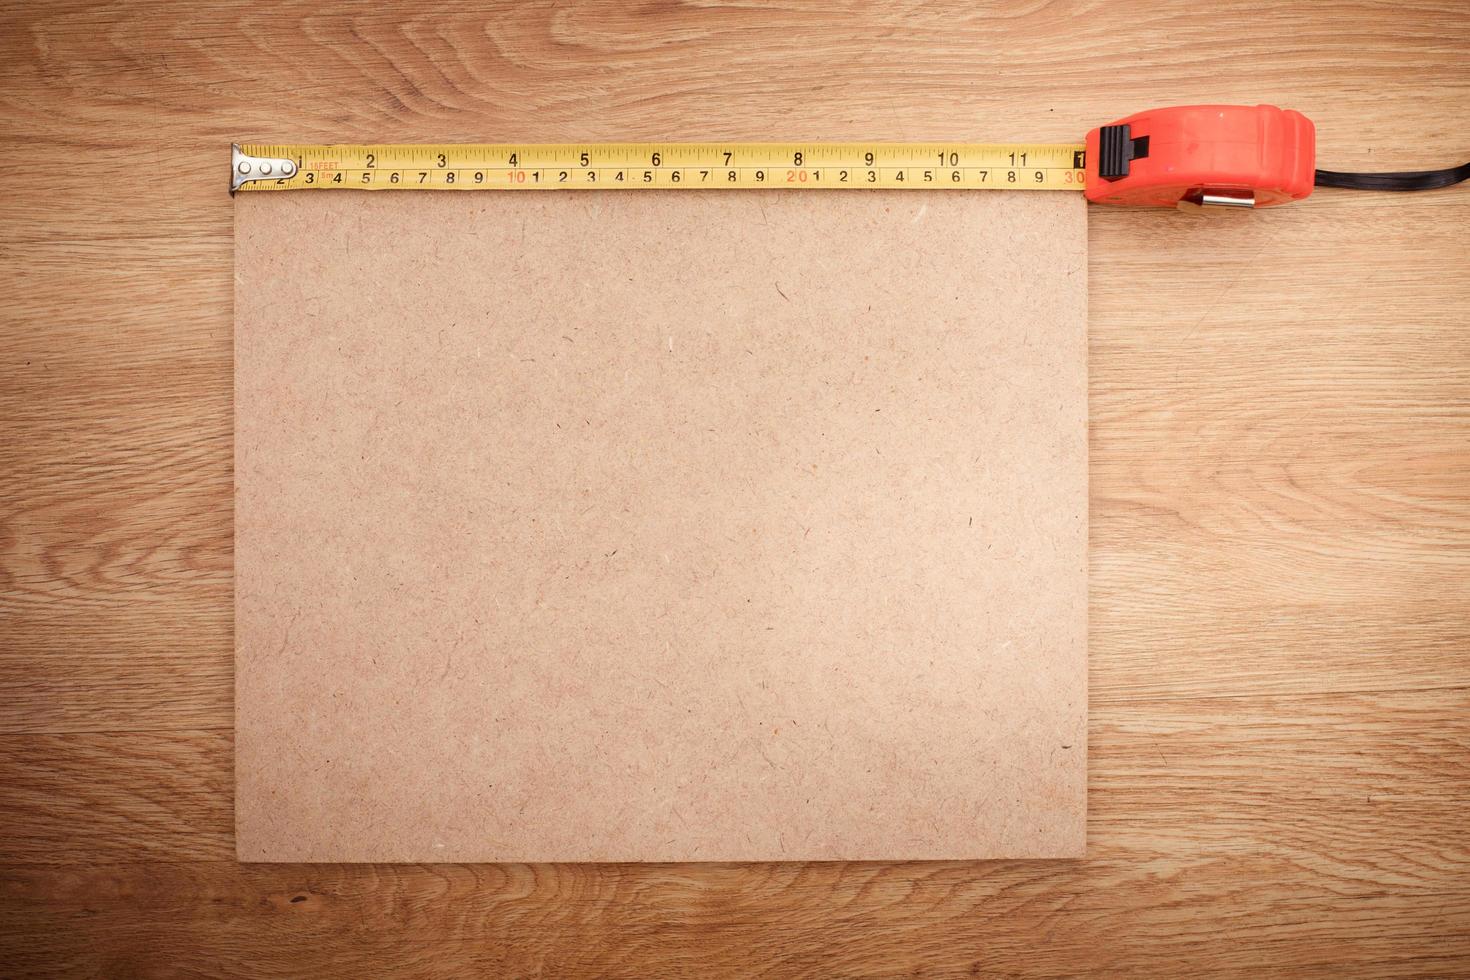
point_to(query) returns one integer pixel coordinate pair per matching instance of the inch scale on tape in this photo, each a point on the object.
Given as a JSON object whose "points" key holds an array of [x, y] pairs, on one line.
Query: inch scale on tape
{"points": [[1237, 156], [660, 166]]}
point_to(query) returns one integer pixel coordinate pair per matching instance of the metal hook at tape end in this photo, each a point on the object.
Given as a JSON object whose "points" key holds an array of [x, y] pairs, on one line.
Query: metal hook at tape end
{"points": [[244, 168]]}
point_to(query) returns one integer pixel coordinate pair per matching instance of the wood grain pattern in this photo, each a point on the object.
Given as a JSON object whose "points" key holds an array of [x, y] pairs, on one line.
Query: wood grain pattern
{"points": [[1280, 491]]}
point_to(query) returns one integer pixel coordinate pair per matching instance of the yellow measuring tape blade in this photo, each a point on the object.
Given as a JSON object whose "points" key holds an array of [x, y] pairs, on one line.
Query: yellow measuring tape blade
{"points": [[648, 166]]}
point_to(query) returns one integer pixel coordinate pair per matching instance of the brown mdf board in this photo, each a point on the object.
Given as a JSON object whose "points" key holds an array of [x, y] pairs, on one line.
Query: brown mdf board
{"points": [[668, 526]]}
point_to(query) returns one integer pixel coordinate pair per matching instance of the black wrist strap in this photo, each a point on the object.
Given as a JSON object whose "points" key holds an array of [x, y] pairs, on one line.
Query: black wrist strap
{"points": [[1407, 180]]}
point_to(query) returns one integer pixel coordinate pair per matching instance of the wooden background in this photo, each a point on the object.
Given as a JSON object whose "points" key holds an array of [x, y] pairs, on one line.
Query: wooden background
{"points": [[1281, 489]]}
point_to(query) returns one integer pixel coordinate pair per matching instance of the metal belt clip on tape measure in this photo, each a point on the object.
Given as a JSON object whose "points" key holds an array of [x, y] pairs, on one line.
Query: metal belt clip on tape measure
{"points": [[1238, 156]]}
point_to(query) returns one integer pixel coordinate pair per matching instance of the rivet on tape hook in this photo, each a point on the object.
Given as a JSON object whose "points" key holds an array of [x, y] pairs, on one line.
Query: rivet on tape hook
{"points": [[245, 168]]}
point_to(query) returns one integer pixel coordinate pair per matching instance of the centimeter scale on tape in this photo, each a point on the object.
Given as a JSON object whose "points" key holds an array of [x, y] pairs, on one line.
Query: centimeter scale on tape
{"points": [[662, 166]]}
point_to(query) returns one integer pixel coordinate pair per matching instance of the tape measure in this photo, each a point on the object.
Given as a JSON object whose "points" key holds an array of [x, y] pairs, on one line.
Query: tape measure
{"points": [[1243, 156], [660, 166]]}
